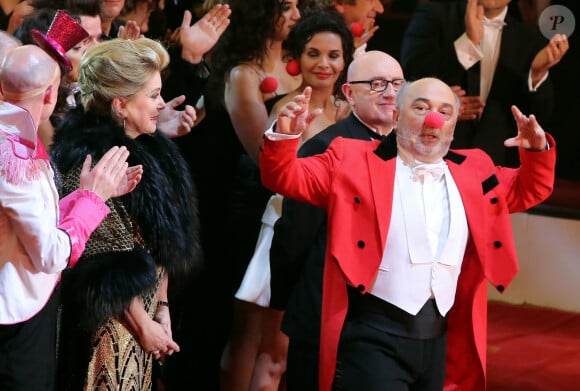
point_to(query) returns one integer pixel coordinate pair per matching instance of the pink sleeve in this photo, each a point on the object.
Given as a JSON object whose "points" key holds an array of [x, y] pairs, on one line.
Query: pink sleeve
{"points": [[81, 213]]}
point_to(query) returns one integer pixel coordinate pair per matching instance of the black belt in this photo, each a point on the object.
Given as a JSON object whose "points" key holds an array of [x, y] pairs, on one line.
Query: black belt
{"points": [[427, 324]]}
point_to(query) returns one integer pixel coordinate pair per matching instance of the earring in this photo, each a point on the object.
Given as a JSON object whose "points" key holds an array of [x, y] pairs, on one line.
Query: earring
{"points": [[123, 123]]}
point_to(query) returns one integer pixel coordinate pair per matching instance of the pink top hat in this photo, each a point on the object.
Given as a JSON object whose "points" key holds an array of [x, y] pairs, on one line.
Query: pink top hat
{"points": [[64, 32]]}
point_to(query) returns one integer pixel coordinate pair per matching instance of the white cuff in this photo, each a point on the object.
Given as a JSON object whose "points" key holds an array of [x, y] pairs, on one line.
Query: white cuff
{"points": [[272, 135], [468, 54], [530, 87]]}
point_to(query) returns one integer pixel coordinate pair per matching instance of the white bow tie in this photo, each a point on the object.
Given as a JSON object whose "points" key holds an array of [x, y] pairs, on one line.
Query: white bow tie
{"points": [[494, 23], [432, 171]]}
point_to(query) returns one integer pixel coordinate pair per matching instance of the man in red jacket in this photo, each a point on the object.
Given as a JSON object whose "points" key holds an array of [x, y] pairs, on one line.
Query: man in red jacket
{"points": [[414, 232]]}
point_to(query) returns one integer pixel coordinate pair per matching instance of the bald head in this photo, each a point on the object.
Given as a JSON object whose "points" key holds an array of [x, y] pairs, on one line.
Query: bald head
{"points": [[7, 43], [363, 66], [27, 69], [371, 105], [430, 88]]}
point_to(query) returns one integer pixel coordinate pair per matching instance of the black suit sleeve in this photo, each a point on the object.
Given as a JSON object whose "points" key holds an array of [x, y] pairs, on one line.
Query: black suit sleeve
{"points": [[428, 47], [184, 78]]}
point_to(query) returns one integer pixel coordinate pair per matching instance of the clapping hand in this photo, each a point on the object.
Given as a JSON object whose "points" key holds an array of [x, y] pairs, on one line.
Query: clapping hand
{"points": [[549, 56], [530, 135], [130, 31], [175, 123], [198, 39], [111, 176], [369, 31], [470, 106], [474, 22]]}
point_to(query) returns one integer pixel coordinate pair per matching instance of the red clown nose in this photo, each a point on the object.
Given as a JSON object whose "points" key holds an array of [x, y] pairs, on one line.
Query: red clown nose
{"points": [[269, 85], [357, 29], [293, 68], [434, 120]]}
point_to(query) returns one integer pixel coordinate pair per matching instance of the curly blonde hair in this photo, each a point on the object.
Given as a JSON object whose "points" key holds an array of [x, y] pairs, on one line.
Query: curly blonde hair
{"points": [[118, 68]]}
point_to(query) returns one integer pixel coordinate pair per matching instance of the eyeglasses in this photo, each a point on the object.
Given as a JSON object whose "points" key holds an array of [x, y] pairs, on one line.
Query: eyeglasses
{"points": [[379, 85]]}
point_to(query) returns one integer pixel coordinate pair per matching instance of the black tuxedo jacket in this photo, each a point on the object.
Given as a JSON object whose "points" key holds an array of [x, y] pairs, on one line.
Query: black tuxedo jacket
{"points": [[428, 50], [299, 244]]}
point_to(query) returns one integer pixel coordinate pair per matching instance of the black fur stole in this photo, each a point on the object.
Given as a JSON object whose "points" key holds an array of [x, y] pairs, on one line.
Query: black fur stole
{"points": [[163, 205]]}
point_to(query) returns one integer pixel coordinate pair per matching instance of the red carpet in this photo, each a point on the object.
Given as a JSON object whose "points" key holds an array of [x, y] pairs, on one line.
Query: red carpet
{"points": [[532, 349]]}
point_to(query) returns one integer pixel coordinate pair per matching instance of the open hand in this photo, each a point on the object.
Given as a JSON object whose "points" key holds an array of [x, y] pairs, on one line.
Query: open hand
{"points": [[198, 39], [549, 56], [175, 123], [109, 177], [293, 117], [369, 30], [474, 21], [470, 106], [530, 135], [130, 30]]}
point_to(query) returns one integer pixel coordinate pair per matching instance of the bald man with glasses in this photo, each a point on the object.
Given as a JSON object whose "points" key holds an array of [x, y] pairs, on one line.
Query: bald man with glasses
{"points": [[299, 243]]}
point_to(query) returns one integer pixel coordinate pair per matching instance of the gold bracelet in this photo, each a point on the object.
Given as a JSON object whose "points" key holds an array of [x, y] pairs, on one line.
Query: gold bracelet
{"points": [[163, 303]]}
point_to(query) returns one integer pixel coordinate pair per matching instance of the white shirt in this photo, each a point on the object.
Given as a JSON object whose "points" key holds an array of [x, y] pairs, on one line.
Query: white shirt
{"points": [[419, 261], [468, 54]]}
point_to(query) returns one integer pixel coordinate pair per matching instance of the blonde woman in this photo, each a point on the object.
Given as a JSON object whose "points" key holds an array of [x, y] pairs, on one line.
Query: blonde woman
{"points": [[115, 317]]}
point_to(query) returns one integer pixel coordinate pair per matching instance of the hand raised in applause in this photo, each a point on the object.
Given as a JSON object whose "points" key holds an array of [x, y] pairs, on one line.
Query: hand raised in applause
{"points": [[176, 123], [549, 56], [474, 22], [470, 106], [130, 30], [198, 39], [111, 176]]}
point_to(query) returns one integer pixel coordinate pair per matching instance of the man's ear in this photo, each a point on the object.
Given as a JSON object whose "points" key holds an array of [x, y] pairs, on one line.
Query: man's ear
{"points": [[395, 116], [347, 92]]}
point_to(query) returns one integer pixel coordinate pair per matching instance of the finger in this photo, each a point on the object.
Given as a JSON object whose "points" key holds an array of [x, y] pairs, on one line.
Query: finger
{"points": [[512, 142], [133, 171], [307, 93], [186, 22], [472, 7], [87, 164], [533, 122], [312, 115], [212, 12], [222, 26], [222, 12], [373, 29], [458, 91], [173, 345], [106, 158], [173, 103], [115, 164], [516, 112]]}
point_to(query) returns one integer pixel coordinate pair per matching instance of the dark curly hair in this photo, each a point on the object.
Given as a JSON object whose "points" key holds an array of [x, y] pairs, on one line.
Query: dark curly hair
{"points": [[245, 39], [321, 21]]}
